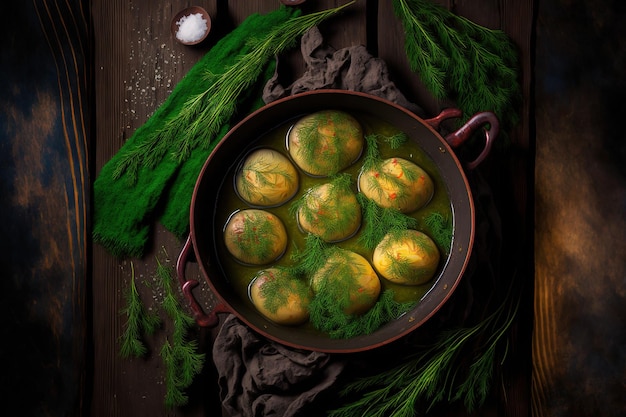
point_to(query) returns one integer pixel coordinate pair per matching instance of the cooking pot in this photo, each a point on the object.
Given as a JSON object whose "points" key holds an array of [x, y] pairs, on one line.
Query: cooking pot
{"points": [[241, 138]]}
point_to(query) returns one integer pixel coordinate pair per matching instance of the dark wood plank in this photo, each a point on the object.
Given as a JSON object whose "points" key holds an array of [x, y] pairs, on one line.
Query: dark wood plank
{"points": [[45, 190], [137, 63], [579, 340]]}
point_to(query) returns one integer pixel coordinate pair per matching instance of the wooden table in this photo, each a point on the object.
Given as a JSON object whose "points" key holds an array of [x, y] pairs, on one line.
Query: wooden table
{"points": [[137, 64], [86, 98]]}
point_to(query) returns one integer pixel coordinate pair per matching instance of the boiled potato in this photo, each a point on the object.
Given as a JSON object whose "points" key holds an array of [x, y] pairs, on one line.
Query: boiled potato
{"points": [[407, 257], [326, 142], [350, 279], [330, 212], [280, 297], [397, 183], [255, 236], [266, 178]]}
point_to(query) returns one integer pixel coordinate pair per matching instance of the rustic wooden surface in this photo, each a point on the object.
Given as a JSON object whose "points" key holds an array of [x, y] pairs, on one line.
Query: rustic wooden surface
{"points": [[44, 210], [579, 343], [60, 122], [136, 64]]}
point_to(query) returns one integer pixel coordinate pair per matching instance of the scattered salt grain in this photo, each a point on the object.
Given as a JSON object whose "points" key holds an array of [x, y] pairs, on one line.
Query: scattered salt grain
{"points": [[191, 28]]}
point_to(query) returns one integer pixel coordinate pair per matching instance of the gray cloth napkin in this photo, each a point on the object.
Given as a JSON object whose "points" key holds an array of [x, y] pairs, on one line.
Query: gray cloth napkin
{"points": [[352, 68], [257, 377]]}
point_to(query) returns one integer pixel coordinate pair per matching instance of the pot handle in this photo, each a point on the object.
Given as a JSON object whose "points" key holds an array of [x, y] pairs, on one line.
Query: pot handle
{"points": [[455, 139], [449, 113], [203, 319]]}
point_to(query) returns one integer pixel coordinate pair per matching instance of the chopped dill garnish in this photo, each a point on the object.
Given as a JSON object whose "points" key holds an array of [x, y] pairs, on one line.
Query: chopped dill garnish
{"points": [[440, 228], [257, 237], [378, 221], [395, 141], [322, 137], [330, 318], [330, 210], [279, 285]]}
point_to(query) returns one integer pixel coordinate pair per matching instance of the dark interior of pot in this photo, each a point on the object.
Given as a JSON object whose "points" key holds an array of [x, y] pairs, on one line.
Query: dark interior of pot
{"points": [[241, 138]]}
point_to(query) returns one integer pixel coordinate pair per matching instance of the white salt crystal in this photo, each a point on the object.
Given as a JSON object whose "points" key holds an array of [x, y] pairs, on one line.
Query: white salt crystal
{"points": [[191, 27]]}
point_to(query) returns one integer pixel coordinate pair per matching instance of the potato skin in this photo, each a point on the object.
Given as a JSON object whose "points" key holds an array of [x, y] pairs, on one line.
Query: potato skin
{"points": [[365, 285], [255, 248], [330, 213], [407, 257], [267, 178], [326, 142], [397, 183], [298, 297]]}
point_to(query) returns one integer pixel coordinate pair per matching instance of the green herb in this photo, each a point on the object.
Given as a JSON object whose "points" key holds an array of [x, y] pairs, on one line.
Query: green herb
{"points": [[434, 373], [258, 236], [378, 221], [138, 321], [440, 228], [180, 354], [258, 172], [395, 141], [279, 285], [327, 315], [318, 146], [204, 114], [333, 209], [458, 59]]}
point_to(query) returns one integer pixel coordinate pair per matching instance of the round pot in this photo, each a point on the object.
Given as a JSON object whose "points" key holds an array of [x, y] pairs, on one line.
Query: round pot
{"points": [[229, 151]]}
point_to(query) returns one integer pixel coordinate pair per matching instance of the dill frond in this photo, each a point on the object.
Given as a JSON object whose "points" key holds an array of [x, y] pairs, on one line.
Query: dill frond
{"points": [[179, 354], [138, 321], [435, 373], [459, 59], [204, 114]]}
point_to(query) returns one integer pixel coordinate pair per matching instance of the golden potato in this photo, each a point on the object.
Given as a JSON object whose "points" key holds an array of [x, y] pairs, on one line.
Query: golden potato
{"points": [[255, 236], [349, 278], [325, 142], [330, 211], [406, 257], [266, 178], [280, 297], [397, 183]]}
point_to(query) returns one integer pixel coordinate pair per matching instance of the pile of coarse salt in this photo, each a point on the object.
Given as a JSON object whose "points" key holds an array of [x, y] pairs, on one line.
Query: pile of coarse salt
{"points": [[191, 28]]}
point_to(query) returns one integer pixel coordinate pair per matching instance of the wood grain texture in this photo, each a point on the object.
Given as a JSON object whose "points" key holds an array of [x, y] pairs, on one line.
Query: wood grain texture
{"points": [[579, 344], [136, 66], [44, 185]]}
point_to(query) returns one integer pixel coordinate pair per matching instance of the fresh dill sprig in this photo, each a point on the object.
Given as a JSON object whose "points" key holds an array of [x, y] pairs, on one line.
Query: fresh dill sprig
{"points": [[378, 221], [459, 59], [433, 374], [330, 318], [204, 115], [138, 321], [440, 228], [179, 354]]}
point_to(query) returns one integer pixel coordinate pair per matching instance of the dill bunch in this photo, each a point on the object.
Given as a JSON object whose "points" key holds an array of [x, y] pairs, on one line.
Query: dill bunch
{"points": [[461, 60], [204, 114], [179, 354], [436, 373], [139, 321], [329, 317]]}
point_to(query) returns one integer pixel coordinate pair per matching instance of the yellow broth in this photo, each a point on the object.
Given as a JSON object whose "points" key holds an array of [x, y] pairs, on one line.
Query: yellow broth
{"points": [[240, 276]]}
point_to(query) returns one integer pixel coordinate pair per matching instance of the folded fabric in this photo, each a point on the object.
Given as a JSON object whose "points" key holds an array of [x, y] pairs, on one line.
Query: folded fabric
{"points": [[262, 379], [126, 210], [259, 377], [352, 68]]}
